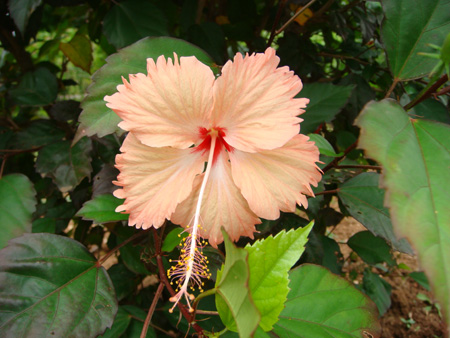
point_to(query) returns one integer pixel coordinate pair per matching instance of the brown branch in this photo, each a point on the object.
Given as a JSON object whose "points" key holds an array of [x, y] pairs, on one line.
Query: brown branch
{"points": [[152, 309], [337, 159], [326, 192], [428, 92], [281, 6], [11, 152]]}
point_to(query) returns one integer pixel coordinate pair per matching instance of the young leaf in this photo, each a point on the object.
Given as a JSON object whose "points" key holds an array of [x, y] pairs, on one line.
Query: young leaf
{"points": [[101, 209], [270, 261], [233, 299], [98, 119], [17, 204], [408, 29], [321, 304], [415, 155], [66, 165], [326, 100], [52, 286], [78, 51], [363, 198]]}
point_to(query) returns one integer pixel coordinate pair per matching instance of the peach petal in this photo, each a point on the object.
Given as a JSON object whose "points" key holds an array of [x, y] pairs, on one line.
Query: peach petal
{"points": [[166, 107], [154, 180], [254, 101], [222, 205], [274, 180]]}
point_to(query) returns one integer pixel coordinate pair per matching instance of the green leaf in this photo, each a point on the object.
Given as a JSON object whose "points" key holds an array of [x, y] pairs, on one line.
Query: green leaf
{"points": [[130, 254], [321, 304], [233, 299], [123, 280], [132, 20], [44, 225], [364, 199], [66, 165], [36, 88], [98, 119], [415, 155], [270, 261], [326, 100], [101, 209], [17, 204], [51, 285], [370, 248], [119, 326], [410, 26], [21, 10], [78, 51], [378, 290]]}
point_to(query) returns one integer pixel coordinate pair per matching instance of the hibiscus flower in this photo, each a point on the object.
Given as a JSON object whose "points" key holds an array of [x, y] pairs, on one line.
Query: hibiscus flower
{"points": [[216, 152]]}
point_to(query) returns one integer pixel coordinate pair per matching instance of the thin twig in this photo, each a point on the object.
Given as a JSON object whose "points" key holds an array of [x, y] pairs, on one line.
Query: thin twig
{"points": [[278, 31], [125, 242], [19, 151], [3, 165], [337, 159], [204, 312], [326, 192], [152, 309]]}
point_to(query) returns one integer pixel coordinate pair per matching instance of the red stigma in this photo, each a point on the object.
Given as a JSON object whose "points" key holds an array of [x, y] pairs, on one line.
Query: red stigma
{"points": [[205, 145]]}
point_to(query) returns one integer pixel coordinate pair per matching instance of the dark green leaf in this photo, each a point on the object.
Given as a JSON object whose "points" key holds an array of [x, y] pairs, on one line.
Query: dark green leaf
{"points": [[364, 200], [324, 146], [132, 20], [37, 88], [65, 111], [101, 209], [51, 285], [135, 328], [378, 290], [66, 165], [37, 134], [326, 100], [78, 51], [431, 110], [130, 254], [119, 326], [98, 119], [123, 280], [415, 155], [370, 248], [233, 299], [321, 304], [409, 28], [17, 204], [21, 10], [421, 279], [44, 225]]}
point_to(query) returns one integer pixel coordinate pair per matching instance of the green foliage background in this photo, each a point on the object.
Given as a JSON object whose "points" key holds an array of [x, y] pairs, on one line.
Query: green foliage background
{"points": [[376, 73]]}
